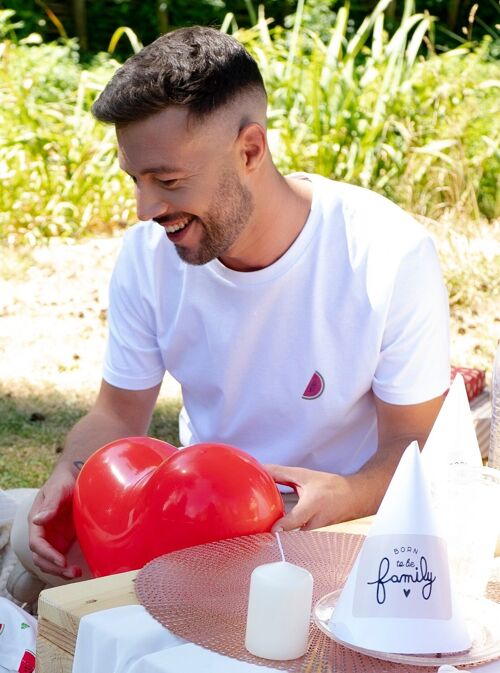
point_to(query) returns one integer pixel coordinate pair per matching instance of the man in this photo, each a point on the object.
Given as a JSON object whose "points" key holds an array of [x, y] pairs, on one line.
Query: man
{"points": [[305, 320]]}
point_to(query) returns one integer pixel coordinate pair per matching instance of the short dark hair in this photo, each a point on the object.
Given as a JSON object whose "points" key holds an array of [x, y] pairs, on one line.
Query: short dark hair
{"points": [[198, 67]]}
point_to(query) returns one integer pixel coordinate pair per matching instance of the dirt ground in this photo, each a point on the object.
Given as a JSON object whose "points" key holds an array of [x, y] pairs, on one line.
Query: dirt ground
{"points": [[53, 311], [53, 306]]}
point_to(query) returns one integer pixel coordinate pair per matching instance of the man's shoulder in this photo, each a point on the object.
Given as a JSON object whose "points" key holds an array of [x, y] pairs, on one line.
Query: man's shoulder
{"points": [[356, 199], [365, 215]]}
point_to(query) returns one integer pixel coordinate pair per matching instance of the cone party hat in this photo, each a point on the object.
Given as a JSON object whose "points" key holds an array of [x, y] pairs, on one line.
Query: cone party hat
{"points": [[398, 596]]}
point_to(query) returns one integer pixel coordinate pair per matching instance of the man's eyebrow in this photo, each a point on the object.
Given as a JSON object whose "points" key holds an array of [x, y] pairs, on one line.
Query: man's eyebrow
{"points": [[161, 169], [158, 169]]}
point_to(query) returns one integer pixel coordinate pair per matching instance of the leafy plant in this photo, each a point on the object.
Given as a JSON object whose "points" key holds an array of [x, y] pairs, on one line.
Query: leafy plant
{"points": [[330, 102], [57, 165], [358, 106], [450, 112], [372, 110]]}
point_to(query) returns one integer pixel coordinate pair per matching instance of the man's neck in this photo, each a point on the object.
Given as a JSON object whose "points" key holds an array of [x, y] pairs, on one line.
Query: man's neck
{"points": [[282, 206]]}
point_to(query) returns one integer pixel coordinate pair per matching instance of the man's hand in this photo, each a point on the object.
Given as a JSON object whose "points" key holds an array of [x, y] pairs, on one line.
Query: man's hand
{"points": [[324, 498], [51, 523], [116, 413]]}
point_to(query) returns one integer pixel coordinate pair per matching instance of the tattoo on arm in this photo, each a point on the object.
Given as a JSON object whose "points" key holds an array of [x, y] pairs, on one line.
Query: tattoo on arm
{"points": [[78, 464]]}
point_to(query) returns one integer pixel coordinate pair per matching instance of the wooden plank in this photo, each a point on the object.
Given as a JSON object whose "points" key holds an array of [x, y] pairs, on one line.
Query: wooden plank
{"points": [[55, 634], [356, 527], [51, 659], [64, 606]]}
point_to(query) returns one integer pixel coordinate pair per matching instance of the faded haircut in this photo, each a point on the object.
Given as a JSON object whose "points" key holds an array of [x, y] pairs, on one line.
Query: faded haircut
{"points": [[198, 67]]}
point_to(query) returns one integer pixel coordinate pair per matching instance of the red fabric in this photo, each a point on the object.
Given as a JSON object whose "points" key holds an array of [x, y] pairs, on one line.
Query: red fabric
{"points": [[27, 664], [473, 378]]}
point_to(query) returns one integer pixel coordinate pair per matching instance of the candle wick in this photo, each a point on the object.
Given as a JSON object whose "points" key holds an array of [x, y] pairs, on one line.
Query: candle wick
{"points": [[280, 546]]}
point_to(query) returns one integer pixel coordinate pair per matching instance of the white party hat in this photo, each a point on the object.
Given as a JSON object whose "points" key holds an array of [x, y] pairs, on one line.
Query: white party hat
{"points": [[452, 439], [398, 597]]}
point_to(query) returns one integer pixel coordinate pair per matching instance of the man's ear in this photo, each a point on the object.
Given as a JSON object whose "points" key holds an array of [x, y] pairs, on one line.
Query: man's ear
{"points": [[252, 146]]}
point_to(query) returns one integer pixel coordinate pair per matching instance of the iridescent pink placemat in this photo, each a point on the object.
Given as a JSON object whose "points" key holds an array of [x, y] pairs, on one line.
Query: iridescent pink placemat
{"points": [[201, 594]]}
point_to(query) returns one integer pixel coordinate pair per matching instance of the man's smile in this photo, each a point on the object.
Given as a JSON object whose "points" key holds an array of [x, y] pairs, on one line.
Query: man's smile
{"points": [[174, 225]]}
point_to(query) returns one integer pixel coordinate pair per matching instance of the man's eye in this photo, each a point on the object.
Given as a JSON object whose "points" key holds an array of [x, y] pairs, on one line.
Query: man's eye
{"points": [[169, 183]]}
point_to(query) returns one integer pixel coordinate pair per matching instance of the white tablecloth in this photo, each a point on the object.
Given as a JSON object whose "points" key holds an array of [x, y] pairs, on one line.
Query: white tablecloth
{"points": [[129, 640]]}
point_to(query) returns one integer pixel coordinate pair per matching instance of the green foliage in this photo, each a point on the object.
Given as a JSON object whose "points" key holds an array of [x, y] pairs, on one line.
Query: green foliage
{"points": [[459, 20], [58, 166], [450, 112], [367, 109], [359, 106], [32, 427], [8, 25], [330, 101], [147, 18]]}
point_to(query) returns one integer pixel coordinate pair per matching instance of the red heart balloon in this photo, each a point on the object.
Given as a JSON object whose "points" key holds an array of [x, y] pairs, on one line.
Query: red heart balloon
{"points": [[106, 503], [199, 494]]}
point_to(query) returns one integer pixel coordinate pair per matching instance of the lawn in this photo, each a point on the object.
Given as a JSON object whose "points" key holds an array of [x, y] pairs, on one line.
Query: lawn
{"points": [[34, 422]]}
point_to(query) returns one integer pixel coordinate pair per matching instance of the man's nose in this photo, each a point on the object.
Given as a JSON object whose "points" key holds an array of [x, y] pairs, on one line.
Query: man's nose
{"points": [[149, 203]]}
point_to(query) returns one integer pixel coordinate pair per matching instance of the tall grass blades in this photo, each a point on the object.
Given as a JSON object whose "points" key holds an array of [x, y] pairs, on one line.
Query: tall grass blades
{"points": [[373, 111], [351, 105], [57, 166], [450, 114], [330, 101]]}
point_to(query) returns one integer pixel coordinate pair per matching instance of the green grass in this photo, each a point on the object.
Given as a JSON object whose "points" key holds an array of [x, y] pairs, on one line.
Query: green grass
{"points": [[34, 423], [361, 108]]}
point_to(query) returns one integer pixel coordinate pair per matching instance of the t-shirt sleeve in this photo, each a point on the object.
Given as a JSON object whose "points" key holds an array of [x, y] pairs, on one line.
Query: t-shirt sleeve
{"points": [[414, 363], [133, 358]]}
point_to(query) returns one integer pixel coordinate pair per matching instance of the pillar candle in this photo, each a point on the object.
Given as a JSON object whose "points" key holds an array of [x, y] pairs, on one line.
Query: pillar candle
{"points": [[279, 610]]}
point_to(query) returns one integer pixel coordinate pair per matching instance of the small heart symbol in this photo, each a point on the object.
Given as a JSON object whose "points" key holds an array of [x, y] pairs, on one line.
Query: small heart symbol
{"points": [[406, 592]]}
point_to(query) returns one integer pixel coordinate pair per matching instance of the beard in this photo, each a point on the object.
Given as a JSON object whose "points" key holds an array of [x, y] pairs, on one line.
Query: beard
{"points": [[226, 218]]}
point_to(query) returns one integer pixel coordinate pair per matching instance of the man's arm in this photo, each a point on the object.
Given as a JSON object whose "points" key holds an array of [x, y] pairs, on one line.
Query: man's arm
{"points": [[116, 413], [326, 498]]}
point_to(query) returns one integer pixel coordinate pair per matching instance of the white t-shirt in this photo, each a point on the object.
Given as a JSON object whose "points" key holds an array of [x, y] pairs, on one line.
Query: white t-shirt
{"points": [[284, 362]]}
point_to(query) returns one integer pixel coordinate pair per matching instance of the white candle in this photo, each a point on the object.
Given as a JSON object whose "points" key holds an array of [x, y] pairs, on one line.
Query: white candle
{"points": [[279, 610]]}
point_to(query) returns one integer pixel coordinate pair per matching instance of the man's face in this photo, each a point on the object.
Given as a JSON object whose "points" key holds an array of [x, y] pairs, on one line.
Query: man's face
{"points": [[186, 180]]}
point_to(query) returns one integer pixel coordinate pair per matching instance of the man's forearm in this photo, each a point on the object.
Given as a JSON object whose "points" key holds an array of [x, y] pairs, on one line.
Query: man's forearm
{"points": [[326, 498], [398, 426], [370, 483], [90, 433], [116, 413]]}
